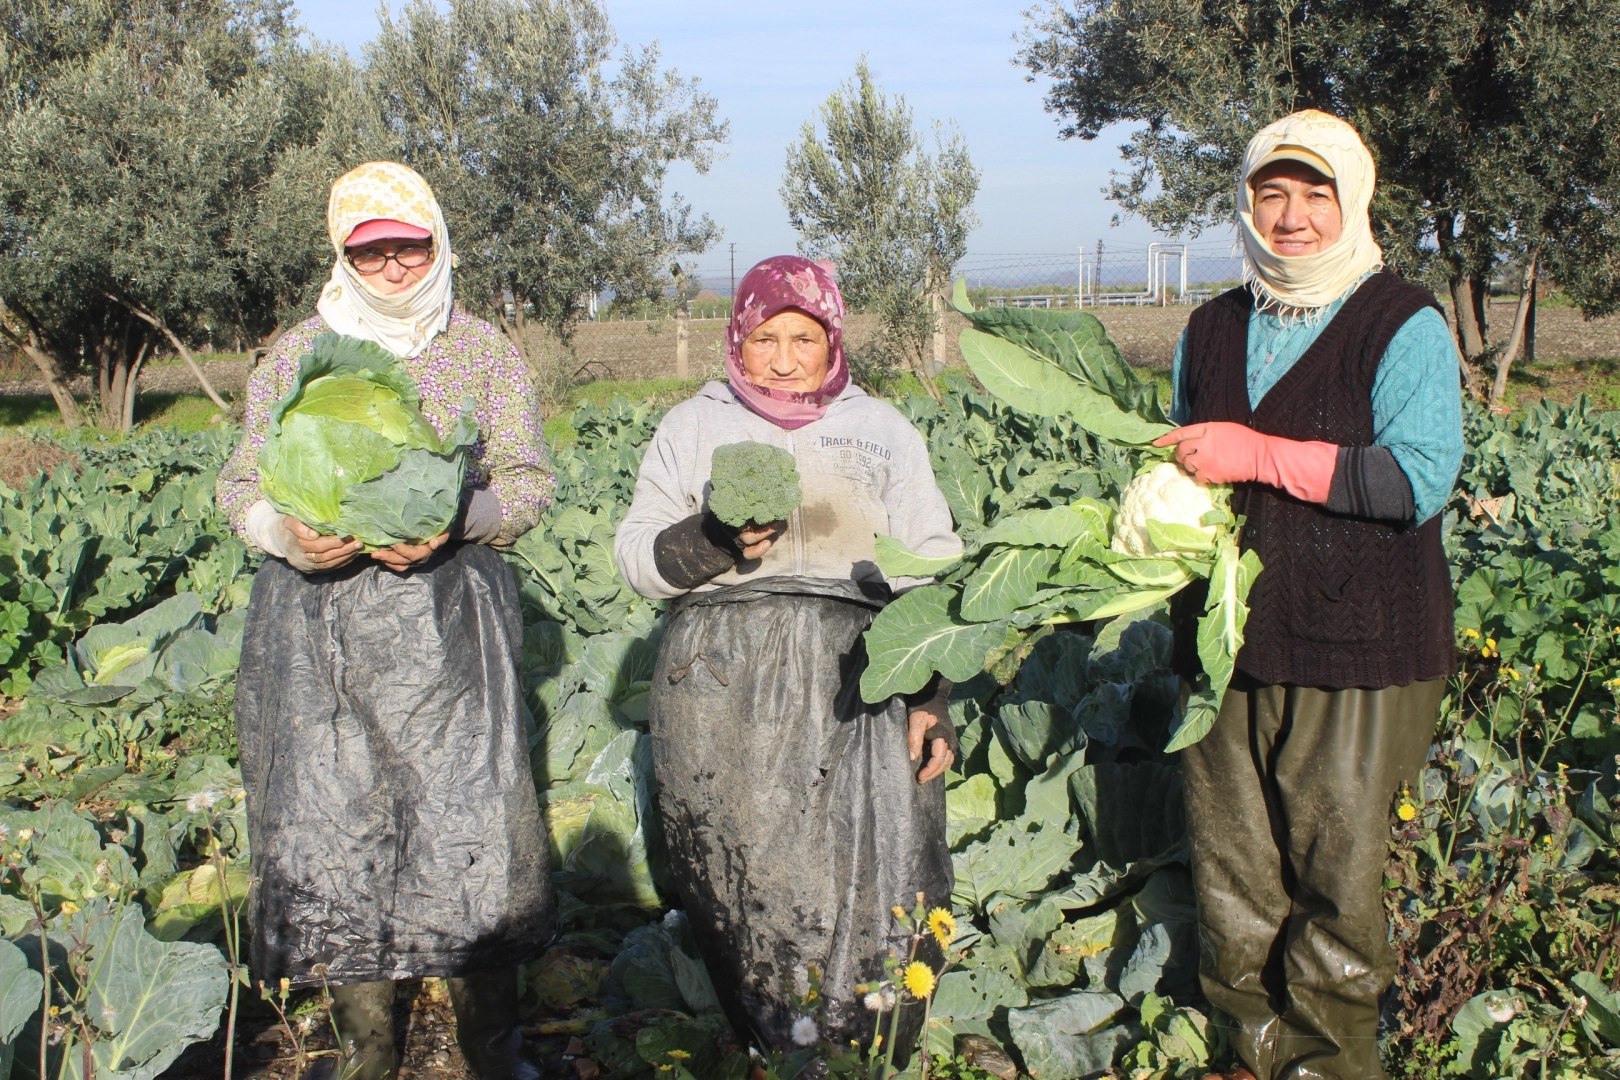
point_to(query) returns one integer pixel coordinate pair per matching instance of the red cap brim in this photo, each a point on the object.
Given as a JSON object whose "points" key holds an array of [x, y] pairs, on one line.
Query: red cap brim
{"points": [[369, 232]]}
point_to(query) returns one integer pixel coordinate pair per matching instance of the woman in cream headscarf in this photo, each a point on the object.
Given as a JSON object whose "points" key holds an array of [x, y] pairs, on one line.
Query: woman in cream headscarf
{"points": [[1328, 392], [394, 825]]}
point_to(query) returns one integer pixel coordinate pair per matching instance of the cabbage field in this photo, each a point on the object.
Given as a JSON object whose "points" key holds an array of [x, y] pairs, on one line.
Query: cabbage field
{"points": [[123, 850]]}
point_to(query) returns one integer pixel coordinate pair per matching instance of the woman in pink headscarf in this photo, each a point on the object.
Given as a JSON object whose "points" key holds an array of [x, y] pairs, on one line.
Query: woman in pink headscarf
{"points": [[797, 816]]}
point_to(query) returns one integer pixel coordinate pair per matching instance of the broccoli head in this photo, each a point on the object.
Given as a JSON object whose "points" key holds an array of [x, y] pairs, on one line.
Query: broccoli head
{"points": [[755, 482]]}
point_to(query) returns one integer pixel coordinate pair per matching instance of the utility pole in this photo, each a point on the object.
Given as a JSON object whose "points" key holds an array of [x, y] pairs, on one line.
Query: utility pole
{"points": [[1096, 274], [734, 273]]}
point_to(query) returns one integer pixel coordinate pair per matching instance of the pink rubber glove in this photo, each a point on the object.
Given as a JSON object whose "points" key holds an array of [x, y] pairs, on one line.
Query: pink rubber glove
{"points": [[1227, 453]]}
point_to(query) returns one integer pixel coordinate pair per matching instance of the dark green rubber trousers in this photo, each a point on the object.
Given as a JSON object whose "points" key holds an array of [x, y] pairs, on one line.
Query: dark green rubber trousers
{"points": [[1289, 800]]}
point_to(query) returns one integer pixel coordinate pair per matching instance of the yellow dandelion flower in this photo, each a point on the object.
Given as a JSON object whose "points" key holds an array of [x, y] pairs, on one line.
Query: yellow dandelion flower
{"points": [[679, 1055], [1490, 643], [919, 980], [899, 912], [1471, 633], [1406, 811], [942, 924], [69, 907]]}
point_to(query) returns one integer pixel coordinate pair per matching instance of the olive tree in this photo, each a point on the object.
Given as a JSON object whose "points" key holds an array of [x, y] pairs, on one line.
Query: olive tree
{"points": [[865, 192], [548, 149], [162, 183], [1492, 124]]}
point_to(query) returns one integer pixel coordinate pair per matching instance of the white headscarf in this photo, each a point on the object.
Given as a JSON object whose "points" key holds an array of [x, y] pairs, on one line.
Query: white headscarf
{"points": [[406, 322], [1300, 285]]}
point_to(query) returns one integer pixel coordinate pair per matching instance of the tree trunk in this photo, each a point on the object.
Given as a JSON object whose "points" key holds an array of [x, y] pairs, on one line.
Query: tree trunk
{"points": [[513, 329], [112, 409], [1530, 327], [1468, 308], [127, 414], [179, 346], [104, 363], [683, 327], [1521, 318], [937, 302], [1468, 295], [31, 342]]}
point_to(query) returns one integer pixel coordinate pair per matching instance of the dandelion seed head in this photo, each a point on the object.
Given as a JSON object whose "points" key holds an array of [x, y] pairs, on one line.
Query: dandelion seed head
{"points": [[805, 1032]]}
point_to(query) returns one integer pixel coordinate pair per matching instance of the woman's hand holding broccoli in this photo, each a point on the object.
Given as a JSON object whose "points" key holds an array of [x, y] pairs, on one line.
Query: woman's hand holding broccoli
{"points": [[755, 540]]}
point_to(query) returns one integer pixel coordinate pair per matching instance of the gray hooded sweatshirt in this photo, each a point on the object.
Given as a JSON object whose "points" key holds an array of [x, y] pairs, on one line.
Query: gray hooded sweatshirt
{"points": [[863, 469]]}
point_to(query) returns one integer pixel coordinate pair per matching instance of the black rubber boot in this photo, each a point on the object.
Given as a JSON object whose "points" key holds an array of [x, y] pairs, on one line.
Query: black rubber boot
{"points": [[486, 1004], [364, 1016]]}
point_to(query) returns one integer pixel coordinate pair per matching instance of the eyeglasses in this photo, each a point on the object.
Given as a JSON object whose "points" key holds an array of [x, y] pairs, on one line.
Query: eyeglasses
{"points": [[368, 261]]}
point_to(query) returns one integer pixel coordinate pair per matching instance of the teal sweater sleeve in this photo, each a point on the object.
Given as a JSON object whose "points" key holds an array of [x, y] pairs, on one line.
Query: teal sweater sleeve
{"points": [[1417, 409], [1416, 402], [1179, 412]]}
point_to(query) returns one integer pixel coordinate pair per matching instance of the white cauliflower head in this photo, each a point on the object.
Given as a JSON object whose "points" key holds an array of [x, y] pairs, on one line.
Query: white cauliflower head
{"points": [[1166, 494]]}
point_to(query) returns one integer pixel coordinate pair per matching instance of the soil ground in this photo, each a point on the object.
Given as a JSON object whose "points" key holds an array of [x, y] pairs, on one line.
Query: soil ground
{"points": [[1573, 355], [424, 1033]]}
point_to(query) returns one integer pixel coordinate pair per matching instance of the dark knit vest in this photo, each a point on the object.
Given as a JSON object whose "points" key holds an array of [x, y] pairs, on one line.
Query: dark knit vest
{"points": [[1342, 602]]}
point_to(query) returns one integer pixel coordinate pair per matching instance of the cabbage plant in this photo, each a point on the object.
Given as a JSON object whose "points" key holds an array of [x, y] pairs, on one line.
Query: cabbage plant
{"points": [[1087, 560], [350, 454]]}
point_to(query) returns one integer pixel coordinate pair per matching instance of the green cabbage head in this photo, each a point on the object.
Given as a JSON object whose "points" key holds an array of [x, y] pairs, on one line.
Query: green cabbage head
{"points": [[350, 454]]}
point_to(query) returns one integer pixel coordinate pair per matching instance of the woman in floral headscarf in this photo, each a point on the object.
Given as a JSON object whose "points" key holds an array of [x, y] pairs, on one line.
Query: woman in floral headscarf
{"points": [[394, 824], [796, 816]]}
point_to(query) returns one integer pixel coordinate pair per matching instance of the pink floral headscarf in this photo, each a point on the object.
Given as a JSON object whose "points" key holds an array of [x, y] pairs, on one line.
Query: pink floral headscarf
{"points": [[774, 286]]}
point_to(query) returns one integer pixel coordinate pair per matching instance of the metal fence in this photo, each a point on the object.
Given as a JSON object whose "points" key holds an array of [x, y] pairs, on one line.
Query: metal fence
{"points": [[1157, 274]]}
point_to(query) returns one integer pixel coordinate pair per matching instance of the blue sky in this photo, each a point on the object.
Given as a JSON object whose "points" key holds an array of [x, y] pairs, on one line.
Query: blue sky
{"points": [[772, 65]]}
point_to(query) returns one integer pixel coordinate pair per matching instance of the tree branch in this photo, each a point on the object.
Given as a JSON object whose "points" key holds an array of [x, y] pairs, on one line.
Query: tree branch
{"points": [[127, 420], [44, 358], [1521, 318], [163, 328]]}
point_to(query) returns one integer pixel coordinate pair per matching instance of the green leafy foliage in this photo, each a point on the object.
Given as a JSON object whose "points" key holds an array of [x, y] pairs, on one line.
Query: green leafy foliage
{"points": [[753, 482], [566, 573], [150, 999], [1064, 812], [135, 523], [1071, 559], [349, 452]]}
